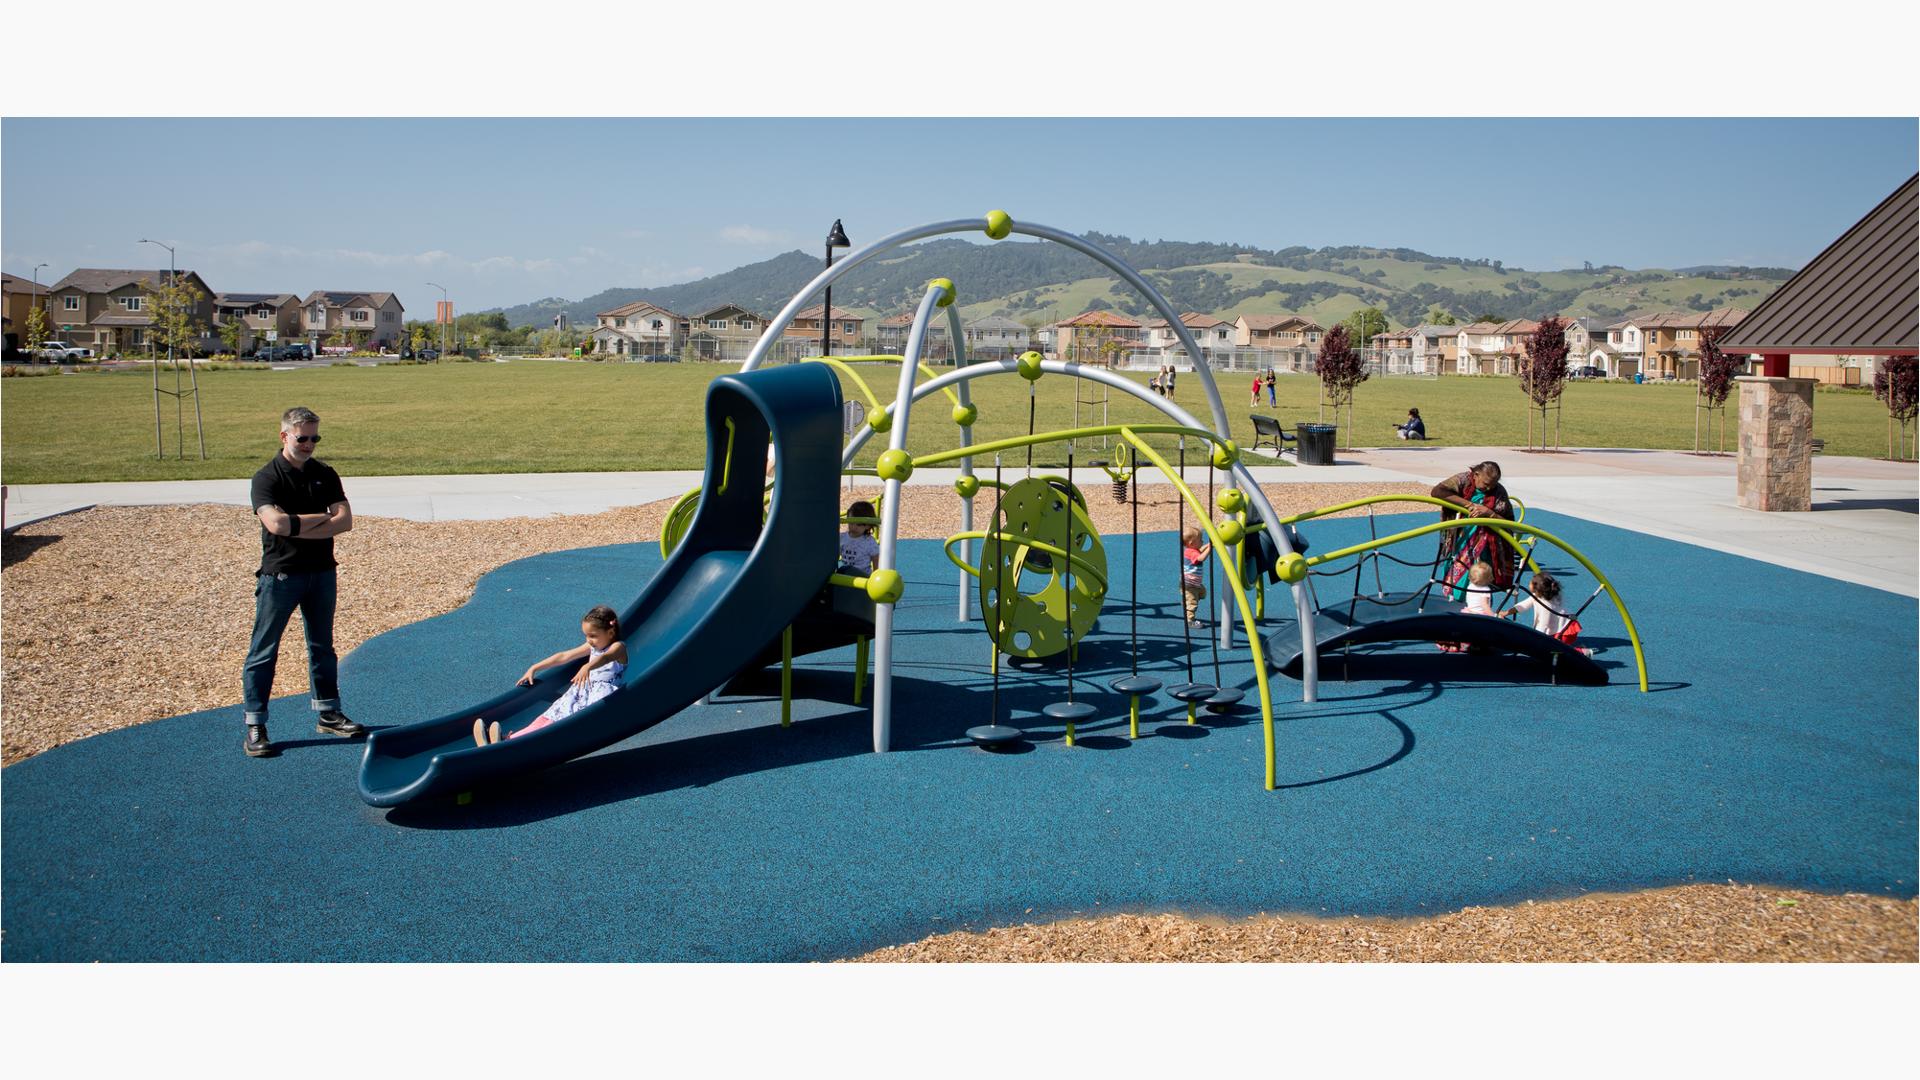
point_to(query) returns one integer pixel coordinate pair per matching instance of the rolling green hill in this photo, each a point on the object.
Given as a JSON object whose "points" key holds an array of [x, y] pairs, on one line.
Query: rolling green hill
{"points": [[1044, 283]]}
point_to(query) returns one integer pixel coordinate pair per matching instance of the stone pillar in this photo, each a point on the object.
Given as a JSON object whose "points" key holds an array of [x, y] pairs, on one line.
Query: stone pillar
{"points": [[1776, 450]]}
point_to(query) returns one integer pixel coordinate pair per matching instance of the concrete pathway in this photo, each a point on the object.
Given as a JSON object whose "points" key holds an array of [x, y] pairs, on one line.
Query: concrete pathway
{"points": [[1864, 527]]}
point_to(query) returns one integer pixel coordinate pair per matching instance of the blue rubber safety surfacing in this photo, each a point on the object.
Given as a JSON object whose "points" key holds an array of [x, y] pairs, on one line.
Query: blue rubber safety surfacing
{"points": [[1779, 747]]}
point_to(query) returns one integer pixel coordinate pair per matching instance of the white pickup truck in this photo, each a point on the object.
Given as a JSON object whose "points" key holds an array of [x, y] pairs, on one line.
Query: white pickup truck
{"points": [[61, 351]]}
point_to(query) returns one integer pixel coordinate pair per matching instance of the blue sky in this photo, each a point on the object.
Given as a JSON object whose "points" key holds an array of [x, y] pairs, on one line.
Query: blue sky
{"points": [[510, 210]]}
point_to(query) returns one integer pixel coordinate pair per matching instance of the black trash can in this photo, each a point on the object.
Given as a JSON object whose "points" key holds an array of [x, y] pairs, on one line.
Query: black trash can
{"points": [[1315, 443]]}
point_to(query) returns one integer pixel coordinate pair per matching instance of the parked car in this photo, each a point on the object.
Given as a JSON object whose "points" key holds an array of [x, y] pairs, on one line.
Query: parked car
{"points": [[60, 351], [659, 358], [1587, 372], [428, 354]]}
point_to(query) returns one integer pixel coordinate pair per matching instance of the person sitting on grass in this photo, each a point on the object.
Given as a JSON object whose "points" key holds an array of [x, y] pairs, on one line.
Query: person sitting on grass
{"points": [[859, 551], [1414, 428], [606, 659]]}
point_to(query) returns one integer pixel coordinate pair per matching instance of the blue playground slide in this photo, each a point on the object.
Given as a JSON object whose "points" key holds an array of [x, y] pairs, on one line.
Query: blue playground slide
{"points": [[730, 587]]}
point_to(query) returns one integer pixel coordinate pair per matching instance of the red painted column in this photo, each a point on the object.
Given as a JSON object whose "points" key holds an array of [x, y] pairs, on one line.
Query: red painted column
{"points": [[1773, 365]]}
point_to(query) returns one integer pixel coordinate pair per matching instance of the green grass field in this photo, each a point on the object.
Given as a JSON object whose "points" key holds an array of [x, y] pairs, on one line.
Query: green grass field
{"points": [[540, 416]]}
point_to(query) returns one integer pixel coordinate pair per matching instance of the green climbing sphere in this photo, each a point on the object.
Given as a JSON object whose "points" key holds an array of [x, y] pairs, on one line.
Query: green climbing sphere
{"points": [[1292, 567], [1233, 500], [999, 224], [1225, 454], [946, 297], [895, 465], [1231, 532], [1030, 366], [965, 415], [885, 586], [967, 486], [880, 421]]}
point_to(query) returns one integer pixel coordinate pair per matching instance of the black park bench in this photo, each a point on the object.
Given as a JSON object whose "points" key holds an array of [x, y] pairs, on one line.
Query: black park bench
{"points": [[1267, 427]]}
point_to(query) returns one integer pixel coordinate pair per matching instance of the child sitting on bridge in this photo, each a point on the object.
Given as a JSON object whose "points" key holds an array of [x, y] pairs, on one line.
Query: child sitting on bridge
{"points": [[859, 551], [1544, 601]]}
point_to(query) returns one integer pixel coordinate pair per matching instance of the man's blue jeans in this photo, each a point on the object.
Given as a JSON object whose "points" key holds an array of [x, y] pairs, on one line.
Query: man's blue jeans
{"points": [[276, 596]]}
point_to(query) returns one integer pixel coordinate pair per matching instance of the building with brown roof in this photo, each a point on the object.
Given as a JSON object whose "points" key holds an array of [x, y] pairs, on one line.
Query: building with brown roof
{"points": [[262, 317], [640, 329], [844, 332], [1095, 336], [890, 335], [1210, 332], [1277, 332], [106, 310], [346, 318], [1859, 297], [18, 297]]}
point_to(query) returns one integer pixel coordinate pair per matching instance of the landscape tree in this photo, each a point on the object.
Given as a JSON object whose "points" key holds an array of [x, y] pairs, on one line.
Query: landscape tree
{"points": [[1365, 324], [419, 337], [1898, 384], [231, 332], [1439, 316], [36, 328], [1341, 368], [172, 304], [1716, 382], [1543, 375]]}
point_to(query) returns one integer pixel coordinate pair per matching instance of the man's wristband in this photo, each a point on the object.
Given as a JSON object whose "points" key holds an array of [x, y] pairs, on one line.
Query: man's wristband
{"points": [[295, 520]]}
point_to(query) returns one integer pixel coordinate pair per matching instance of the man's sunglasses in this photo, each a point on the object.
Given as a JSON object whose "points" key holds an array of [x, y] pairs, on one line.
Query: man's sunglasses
{"points": [[306, 438]]}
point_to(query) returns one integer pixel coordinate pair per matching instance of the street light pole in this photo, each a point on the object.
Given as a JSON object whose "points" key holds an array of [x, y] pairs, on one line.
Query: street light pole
{"points": [[446, 306], [836, 237]]}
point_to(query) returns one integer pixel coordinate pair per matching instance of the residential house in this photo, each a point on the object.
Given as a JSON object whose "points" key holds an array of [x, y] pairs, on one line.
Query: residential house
{"points": [[1625, 347], [1215, 336], [367, 320], [1512, 335], [1673, 340], [890, 335], [18, 296], [1478, 348], [263, 317], [107, 310], [996, 335], [727, 332], [844, 328], [1277, 332], [1432, 349], [1080, 339], [640, 329]]}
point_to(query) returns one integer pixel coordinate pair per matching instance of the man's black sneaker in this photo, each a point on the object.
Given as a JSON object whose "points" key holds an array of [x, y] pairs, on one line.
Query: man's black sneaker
{"points": [[335, 722], [257, 744]]}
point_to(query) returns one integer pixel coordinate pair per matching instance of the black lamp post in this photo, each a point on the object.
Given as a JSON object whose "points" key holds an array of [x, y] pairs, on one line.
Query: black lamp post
{"points": [[836, 238]]}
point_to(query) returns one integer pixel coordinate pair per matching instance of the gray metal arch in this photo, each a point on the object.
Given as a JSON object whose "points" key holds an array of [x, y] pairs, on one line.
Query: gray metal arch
{"points": [[1303, 603]]}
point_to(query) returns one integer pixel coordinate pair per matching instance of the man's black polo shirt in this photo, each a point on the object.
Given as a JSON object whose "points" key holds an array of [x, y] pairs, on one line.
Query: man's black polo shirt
{"points": [[297, 491]]}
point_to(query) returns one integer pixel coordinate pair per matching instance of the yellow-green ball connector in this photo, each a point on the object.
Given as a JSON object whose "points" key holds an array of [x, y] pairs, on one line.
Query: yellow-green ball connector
{"points": [[1292, 567], [1225, 454], [894, 465], [885, 586], [1029, 365], [967, 486], [1233, 500], [946, 295], [880, 421], [1231, 532], [999, 224], [965, 415]]}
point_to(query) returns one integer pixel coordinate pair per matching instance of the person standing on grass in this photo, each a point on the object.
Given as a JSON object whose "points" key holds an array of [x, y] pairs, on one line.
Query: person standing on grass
{"points": [[1271, 400], [302, 507]]}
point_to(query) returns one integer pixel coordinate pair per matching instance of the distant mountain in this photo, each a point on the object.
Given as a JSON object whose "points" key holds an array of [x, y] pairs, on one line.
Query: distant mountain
{"points": [[1042, 283]]}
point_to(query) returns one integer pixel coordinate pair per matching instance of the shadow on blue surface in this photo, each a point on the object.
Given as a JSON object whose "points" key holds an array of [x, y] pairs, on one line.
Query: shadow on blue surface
{"points": [[1426, 783]]}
